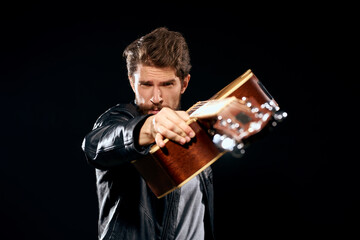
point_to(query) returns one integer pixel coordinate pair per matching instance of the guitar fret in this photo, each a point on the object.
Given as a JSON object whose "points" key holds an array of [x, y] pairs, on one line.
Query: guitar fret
{"points": [[196, 106]]}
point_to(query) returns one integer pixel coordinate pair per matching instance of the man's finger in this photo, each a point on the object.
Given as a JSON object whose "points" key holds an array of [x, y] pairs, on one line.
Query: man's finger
{"points": [[167, 133], [186, 128], [159, 140]]}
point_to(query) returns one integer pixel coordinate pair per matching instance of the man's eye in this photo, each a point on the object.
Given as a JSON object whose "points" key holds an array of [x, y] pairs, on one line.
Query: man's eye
{"points": [[145, 84], [168, 84]]}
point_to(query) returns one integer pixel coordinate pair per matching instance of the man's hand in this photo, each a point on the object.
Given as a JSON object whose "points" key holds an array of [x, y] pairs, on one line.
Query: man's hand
{"points": [[166, 124]]}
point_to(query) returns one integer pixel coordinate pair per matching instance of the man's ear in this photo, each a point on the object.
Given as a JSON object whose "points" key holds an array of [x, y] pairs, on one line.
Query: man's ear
{"points": [[131, 83], [185, 83]]}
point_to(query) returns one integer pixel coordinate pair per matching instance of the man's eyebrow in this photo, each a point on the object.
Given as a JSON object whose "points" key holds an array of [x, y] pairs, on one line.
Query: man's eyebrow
{"points": [[162, 82], [145, 81], [169, 81]]}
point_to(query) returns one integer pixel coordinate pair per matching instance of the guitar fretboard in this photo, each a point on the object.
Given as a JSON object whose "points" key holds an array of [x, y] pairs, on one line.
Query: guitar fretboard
{"points": [[209, 108]]}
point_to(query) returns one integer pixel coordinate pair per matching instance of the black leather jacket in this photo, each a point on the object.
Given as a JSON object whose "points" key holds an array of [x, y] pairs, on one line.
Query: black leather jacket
{"points": [[128, 208]]}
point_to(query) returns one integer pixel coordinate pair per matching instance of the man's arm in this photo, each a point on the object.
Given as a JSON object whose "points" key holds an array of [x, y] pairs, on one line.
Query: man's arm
{"points": [[118, 137], [114, 140]]}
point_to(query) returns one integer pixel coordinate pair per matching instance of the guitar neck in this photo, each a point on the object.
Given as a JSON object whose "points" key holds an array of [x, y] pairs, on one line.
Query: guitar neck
{"points": [[227, 91], [210, 108]]}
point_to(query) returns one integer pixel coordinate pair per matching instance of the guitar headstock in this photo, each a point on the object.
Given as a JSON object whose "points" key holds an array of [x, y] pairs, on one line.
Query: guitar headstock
{"points": [[238, 119], [241, 119]]}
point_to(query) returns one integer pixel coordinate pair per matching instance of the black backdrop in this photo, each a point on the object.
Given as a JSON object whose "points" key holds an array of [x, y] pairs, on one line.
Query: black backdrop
{"points": [[62, 67]]}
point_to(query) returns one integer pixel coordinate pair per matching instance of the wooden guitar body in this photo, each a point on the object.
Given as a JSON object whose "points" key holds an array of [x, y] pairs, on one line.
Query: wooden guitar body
{"points": [[168, 168]]}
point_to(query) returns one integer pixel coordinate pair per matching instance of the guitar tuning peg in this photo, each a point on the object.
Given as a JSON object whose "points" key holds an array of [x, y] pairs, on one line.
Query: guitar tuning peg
{"points": [[280, 116], [224, 142], [238, 151], [274, 105], [223, 123], [254, 109], [228, 144], [235, 126], [217, 139]]}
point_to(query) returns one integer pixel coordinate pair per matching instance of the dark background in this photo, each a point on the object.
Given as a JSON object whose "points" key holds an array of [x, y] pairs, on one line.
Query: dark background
{"points": [[62, 66]]}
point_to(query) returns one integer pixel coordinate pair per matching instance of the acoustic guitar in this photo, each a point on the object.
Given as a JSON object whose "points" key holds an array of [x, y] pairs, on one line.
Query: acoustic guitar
{"points": [[222, 124]]}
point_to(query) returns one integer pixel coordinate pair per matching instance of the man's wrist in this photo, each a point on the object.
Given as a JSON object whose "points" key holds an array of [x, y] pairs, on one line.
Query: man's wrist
{"points": [[145, 135]]}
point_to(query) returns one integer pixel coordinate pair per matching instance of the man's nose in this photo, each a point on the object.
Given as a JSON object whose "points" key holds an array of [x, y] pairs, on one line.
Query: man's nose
{"points": [[156, 98]]}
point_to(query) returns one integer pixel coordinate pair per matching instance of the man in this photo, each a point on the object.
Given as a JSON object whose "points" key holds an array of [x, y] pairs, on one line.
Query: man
{"points": [[158, 69]]}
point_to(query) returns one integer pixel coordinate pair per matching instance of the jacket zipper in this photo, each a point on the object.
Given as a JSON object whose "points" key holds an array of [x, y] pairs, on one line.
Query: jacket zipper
{"points": [[167, 217]]}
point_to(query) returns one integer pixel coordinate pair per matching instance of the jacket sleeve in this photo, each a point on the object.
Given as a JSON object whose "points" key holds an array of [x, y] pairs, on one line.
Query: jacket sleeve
{"points": [[113, 140]]}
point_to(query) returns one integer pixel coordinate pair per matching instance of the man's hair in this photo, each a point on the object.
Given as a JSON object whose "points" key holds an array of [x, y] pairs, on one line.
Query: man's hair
{"points": [[159, 48]]}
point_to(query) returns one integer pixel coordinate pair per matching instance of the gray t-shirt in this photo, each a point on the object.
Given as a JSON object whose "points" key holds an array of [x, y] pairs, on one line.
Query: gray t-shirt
{"points": [[191, 212]]}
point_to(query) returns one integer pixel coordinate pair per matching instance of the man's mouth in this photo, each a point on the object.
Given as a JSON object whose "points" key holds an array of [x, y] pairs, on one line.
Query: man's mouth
{"points": [[153, 111]]}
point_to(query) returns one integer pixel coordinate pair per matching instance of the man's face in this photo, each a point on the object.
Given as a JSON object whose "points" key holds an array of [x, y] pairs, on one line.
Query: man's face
{"points": [[156, 88]]}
